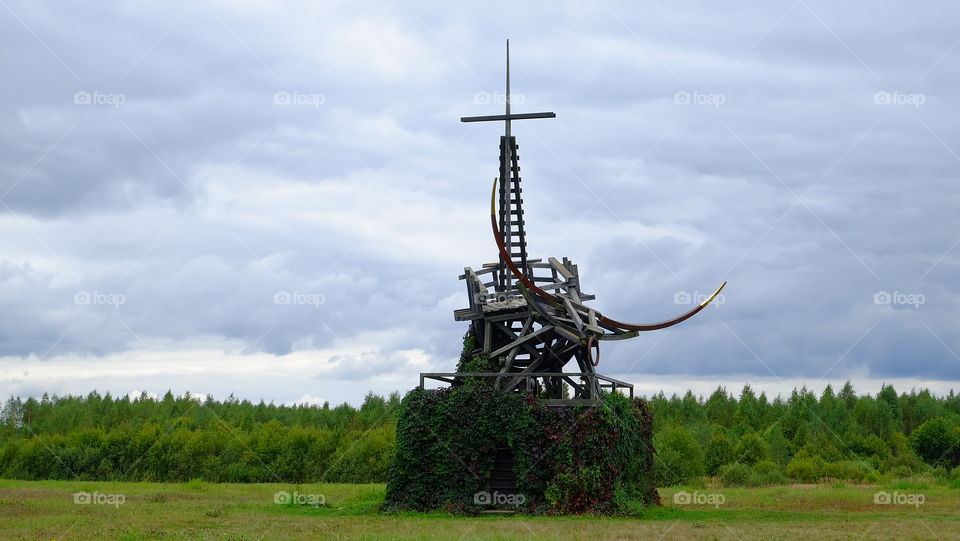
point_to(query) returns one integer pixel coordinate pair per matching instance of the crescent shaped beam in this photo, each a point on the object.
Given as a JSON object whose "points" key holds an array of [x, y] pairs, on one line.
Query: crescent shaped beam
{"points": [[505, 256], [556, 301], [662, 324]]}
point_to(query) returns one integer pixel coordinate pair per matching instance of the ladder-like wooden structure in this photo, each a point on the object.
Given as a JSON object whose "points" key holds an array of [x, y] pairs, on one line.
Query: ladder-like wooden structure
{"points": [[511, 209]]}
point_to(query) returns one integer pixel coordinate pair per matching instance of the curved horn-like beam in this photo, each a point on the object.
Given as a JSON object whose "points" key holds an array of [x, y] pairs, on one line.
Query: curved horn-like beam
{"points": [[553, 299], [505, 256], [662, 324]]}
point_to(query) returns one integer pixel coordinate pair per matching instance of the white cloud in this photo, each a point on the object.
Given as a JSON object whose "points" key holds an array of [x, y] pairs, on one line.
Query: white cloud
{"points": [[200, 198]]}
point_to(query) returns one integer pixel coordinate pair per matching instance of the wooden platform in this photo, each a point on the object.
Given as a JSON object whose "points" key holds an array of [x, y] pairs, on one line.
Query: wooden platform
{"points": [[490, 308]]}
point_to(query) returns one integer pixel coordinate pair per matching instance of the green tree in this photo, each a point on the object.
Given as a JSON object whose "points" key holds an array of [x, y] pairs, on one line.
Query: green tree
{"points": [[679, 458], [935, 441], [748, 409], [778, 448], [888, 396], [719, 454], [750, 449], [720, 408]]}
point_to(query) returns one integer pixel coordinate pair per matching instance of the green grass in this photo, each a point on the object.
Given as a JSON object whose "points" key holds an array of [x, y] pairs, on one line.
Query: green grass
{"points": [[198, 510]]}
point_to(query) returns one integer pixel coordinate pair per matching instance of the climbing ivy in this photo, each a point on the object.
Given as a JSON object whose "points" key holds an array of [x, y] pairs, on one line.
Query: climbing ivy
{"points": [[567, 460]]}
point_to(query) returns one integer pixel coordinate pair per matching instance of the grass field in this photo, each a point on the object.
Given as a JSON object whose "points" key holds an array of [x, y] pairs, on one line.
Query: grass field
{"points": [[47, 510]]}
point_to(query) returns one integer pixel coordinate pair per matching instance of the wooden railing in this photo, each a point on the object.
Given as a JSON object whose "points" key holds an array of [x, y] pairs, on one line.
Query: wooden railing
{"points": [[607, 383]]}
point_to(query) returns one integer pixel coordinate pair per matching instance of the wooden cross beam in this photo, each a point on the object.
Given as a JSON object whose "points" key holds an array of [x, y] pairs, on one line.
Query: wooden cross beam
{"points": [[511, 211], [508, 116]]}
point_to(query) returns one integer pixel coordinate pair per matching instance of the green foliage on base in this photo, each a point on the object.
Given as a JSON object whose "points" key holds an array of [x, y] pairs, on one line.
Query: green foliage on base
{"points": [[567, 460]]}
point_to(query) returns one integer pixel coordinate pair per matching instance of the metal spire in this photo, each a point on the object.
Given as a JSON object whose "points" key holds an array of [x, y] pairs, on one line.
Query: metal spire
{"points": [[507, 127], [511, 203], [509, 114]]}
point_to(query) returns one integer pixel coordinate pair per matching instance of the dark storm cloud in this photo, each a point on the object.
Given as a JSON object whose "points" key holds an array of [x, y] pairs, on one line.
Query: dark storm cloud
{"points": [[197, 160]]}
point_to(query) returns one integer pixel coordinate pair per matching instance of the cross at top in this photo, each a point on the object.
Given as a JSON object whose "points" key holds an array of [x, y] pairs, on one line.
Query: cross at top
{"points": [[511, 224], [508, 116]]}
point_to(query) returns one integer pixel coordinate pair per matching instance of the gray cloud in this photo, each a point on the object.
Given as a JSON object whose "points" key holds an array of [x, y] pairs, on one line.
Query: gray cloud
{"points": [[314, 151]]}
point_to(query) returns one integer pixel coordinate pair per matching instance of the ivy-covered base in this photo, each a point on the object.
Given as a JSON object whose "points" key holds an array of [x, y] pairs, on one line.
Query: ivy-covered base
{"points": [[566, 460]]}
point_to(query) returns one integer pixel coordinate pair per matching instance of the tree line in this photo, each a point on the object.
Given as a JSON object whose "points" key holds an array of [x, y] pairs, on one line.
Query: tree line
{"points": [[745, 440], [752, 440], [187, 437]]}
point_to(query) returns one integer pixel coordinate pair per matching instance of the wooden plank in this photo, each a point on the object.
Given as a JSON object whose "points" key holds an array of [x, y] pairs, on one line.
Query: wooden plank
{"points": [[512, 383], [580, 306], [553, 285], [575, 384], [573, 291], [486, 336], [560, 329], [513, 352], [619, 336], [522, 339], [465, 314], [569, 402], [560, 268], [508, 362], [516, 315], [513, 336], [573, 314], [513, 116]]}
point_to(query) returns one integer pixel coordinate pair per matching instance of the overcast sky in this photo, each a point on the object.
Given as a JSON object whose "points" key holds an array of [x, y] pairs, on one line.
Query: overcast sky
{"points": [[276, 201]]}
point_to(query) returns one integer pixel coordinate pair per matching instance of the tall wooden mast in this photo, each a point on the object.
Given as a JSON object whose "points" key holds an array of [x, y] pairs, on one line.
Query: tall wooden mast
{"points": [[510, 207]]}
